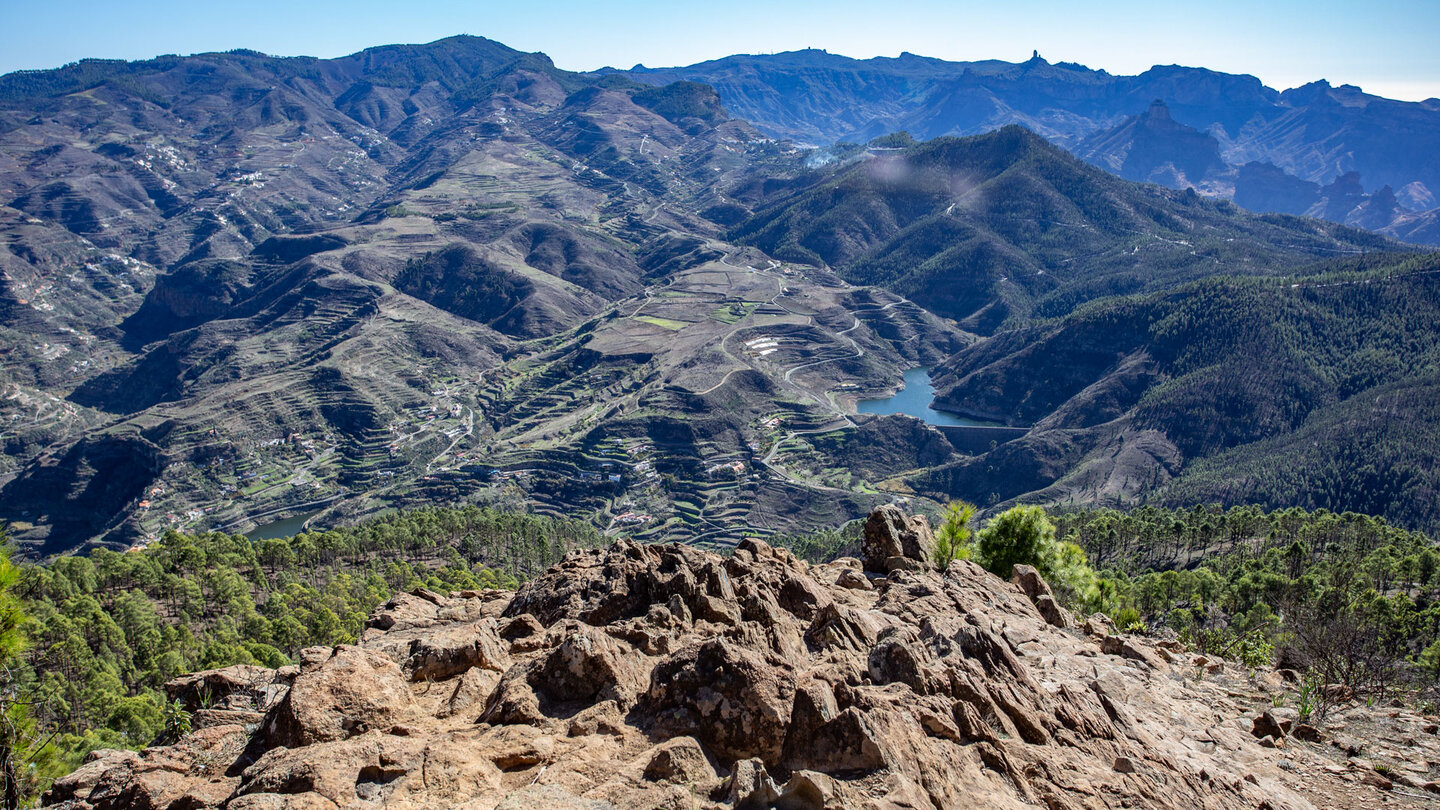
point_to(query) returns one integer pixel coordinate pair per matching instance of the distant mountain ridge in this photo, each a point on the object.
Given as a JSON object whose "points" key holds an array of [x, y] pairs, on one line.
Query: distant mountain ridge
{"points": [[994, 229], [1311, 134], [1232, 135]]}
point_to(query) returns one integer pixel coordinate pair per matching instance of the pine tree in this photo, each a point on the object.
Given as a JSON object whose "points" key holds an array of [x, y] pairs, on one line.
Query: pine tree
{"points": [[24, 751]]}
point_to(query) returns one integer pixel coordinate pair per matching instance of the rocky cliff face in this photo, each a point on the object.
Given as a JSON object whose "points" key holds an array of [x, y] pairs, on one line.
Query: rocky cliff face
{"points": [[1155, 148], [664, 676]]}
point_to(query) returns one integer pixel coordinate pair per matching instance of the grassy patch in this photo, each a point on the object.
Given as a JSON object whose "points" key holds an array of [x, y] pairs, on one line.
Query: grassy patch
{"points": [[663, 323], [733, 313], [477, 212]]}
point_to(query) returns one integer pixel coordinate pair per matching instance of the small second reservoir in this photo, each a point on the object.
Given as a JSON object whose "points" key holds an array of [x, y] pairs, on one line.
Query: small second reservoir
{"points": [[287, 527]]}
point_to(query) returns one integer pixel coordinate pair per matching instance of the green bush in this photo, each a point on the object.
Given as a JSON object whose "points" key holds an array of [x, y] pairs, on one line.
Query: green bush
{"points": [[954, 539], [176, 722], [1126, 618], [1022, 535]]}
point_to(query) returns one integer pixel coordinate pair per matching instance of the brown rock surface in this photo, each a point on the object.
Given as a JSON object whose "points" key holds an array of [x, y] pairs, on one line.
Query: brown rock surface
{"points": [[351, 691], [1030, 582], [681, 760], [453, 650], [891, 535], [1267, 726], [666, 676], [237, 688]]}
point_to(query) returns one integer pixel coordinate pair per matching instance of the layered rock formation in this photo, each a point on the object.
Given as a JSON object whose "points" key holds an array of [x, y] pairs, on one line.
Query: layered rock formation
{"points": [[1155, 148], [665, 676]]}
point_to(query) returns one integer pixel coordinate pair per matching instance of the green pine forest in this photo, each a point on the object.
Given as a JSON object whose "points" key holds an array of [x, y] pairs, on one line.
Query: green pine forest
{"points": [[1349, 596], [102, 634], [1341, 598]]}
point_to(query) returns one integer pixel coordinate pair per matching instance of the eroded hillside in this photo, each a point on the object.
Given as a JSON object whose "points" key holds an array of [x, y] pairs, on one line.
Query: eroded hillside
{"points": [[358, 290], [240, 289]]}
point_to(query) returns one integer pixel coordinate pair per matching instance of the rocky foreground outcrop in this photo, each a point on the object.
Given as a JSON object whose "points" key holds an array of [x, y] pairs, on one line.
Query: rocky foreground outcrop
{"points": [[669, 677]]}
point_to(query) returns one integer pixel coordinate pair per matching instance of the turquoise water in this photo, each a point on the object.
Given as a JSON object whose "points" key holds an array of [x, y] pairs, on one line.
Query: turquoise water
{"points": [[281, 528], [914, 400]]}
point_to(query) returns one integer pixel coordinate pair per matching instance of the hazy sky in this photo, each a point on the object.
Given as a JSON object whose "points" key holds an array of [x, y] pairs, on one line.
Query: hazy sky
{"points": [[1388, 47]]}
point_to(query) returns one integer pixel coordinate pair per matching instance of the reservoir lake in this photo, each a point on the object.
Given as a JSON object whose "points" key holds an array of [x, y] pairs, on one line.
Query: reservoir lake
{"points": [[914, 400]]}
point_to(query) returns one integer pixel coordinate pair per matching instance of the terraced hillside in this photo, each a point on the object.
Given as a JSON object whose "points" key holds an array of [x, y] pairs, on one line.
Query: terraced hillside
{"points": [[216, 274], [379, 284], [685, 413]]}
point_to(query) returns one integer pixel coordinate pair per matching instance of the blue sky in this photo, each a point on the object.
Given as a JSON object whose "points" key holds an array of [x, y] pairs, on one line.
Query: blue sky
{"points": [[1384, 46]]}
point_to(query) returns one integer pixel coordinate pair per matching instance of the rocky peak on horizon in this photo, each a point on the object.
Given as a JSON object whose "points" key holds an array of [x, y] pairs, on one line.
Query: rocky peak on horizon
{"points": [[1154, 147], [667, 676], [1158, 111], [1311, 134]]}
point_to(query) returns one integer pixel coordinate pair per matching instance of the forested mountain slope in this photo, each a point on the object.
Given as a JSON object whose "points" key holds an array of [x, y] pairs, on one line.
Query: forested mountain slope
{"points": [[1313, 390], [106, 631]]}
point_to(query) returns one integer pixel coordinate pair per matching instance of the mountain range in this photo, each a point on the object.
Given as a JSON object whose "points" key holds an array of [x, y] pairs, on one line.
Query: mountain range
{"points": [[1321, 150], [239, 288]]}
